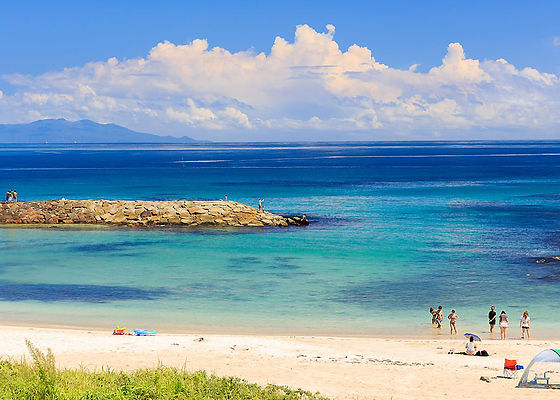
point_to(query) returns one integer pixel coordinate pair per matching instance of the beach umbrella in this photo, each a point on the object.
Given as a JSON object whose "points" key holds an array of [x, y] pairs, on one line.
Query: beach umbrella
{"points": [[472, 335]]}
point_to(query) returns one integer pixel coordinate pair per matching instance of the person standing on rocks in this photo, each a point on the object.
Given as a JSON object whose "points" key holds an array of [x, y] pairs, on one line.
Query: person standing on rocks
{"points": [[8, 195], [14, 195], [226, 197], [261, 208]]}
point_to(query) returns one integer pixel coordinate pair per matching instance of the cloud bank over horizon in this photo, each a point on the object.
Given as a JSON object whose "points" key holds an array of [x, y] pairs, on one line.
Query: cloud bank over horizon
{"points": [[308, 89]]}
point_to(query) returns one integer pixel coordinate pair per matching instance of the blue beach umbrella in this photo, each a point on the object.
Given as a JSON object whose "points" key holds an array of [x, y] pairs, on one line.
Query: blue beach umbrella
{"points": [[475, 337]]}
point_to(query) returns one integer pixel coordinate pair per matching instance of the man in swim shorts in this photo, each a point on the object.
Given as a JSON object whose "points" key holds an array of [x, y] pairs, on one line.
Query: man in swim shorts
{"points": [[492, 318]]}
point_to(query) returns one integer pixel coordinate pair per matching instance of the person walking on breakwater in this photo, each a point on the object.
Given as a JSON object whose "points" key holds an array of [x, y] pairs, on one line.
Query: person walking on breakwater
{"points": [[504, 324], [11, 195], [492, 318], [524, 324], [452, 320]]}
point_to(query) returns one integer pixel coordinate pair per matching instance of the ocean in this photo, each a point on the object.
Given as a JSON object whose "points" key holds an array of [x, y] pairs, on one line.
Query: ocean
{"points": [[395, 227]]}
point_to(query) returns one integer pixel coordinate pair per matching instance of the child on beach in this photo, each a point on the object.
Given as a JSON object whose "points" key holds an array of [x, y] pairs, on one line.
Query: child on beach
{"points": [[439, 316], [524, 324], [504, 324], [452, 319]]}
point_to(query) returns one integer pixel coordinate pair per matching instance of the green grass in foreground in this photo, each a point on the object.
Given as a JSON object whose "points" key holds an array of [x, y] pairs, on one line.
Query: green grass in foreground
{"points": [[41, 380]]}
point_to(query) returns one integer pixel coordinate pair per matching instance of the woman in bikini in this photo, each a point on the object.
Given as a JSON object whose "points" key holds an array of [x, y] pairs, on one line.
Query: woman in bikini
{"points": [[452, 319]]}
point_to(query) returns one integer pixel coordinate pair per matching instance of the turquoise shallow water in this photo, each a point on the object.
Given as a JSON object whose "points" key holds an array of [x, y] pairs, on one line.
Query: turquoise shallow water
{"points": [[395, 228]]}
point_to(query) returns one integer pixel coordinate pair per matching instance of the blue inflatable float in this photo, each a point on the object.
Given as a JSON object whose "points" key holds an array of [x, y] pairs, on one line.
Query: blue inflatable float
{"points": [[142, 332]]}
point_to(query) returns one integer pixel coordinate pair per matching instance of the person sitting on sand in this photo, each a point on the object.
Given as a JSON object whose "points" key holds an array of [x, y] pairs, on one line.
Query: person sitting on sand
{"points": [[439, 316], [470, 347], [524, 324], [504, 323], [452, 319]]}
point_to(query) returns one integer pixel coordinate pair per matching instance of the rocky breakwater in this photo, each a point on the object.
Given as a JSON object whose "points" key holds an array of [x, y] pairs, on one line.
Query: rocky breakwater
{"points": [[140, 213]]}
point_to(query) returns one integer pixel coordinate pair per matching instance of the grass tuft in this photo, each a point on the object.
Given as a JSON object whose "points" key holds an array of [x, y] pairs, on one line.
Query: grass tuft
{"points": [[42, 381]]}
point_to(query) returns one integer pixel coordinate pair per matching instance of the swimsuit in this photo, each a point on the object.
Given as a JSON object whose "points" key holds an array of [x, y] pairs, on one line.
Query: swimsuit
{"points": [[470, 347], [503, 321], [492, 318]]}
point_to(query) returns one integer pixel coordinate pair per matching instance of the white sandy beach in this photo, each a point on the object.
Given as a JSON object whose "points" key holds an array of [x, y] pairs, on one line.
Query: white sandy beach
{"points": [[339, 367]]}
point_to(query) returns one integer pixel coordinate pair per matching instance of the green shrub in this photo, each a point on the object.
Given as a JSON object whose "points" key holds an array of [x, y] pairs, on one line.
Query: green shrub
{"points": [[41, 380]]}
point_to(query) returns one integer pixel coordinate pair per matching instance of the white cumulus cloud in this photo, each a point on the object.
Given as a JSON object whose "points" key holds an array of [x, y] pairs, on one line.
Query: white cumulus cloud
{"points": [[308, 88]]}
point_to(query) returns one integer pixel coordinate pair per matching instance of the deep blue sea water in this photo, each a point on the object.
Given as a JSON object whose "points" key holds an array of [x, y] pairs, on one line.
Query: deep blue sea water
{"points": [[396, 227]]}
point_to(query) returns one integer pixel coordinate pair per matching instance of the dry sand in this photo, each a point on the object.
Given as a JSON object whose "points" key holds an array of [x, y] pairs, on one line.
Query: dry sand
{"points": [[339, 367]]}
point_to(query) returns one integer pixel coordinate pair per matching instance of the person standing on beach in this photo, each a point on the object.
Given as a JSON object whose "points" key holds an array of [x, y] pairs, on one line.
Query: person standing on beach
{"points": [[226, 197], [524, 324], [504, 324], [492, 318], [452, 319], [439, 316]]}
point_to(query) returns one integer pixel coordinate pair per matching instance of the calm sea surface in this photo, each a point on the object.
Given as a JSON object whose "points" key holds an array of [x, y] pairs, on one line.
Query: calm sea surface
{"points": [[395, 228]]}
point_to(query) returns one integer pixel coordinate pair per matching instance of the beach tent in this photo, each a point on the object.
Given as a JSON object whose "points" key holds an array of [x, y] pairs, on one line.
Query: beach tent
{"points": [[545, 356]]}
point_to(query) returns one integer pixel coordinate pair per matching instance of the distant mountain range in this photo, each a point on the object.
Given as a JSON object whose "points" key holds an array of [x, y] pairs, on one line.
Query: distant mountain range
{"points": [[84, 131]]}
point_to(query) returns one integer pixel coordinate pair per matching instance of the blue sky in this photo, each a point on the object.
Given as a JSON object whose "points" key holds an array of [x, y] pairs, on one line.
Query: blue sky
{"points": [[41, 40]]}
